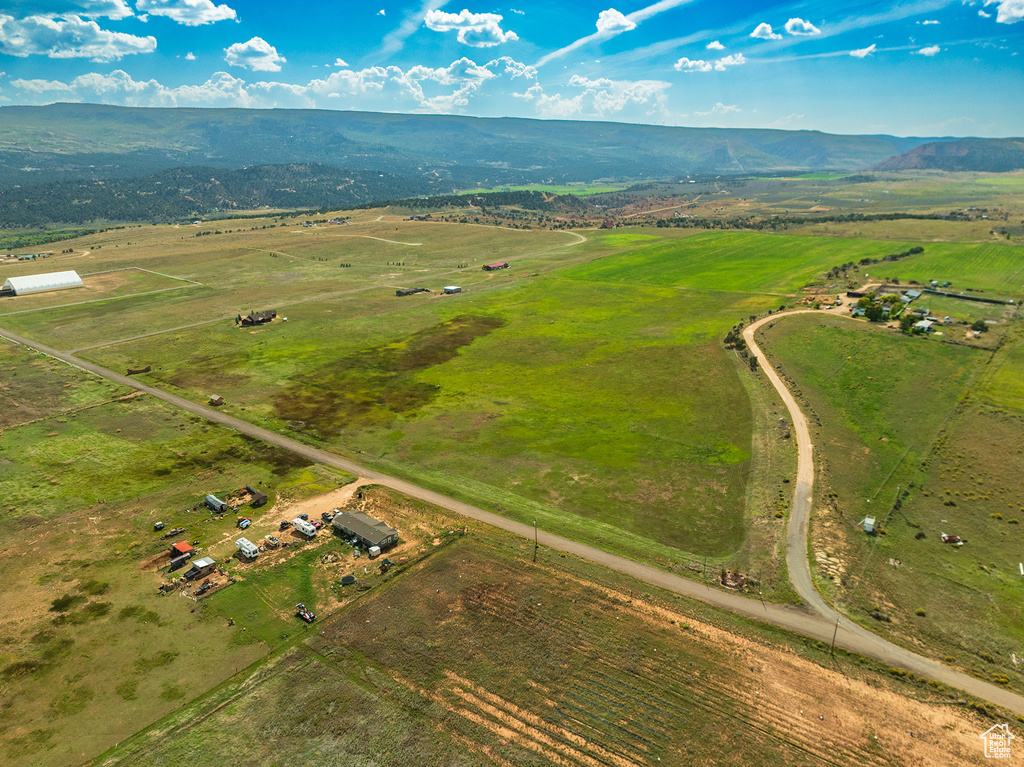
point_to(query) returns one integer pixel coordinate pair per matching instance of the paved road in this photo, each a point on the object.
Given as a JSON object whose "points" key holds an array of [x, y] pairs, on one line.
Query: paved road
{"points": [[817, 621]]}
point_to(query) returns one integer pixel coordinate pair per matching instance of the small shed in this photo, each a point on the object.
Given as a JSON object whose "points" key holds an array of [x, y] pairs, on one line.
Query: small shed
{"points": [[495, 266], [869, 525], [200, 568], [924, 326], [450, 289], [216, 400], [304, 527], [181, 549], [215, 504], [258, 497], [247, 548], [369, 531]]}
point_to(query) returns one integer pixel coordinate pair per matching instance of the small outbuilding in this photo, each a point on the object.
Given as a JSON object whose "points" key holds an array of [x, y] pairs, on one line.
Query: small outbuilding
{"points": [[216, 400], [216, 505], [200, 568], [924, 326], [257, 497], [450, 289], [495, 266], [868, 525], [247, 548], [369, 531], [181, 549]]}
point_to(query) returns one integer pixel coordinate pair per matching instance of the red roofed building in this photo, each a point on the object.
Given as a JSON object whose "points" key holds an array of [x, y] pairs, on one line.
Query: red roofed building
{"points": [[181, 549], [495, 266]]}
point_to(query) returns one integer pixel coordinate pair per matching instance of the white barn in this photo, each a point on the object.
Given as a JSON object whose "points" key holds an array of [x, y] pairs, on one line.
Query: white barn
{"points": [[38, 283]]}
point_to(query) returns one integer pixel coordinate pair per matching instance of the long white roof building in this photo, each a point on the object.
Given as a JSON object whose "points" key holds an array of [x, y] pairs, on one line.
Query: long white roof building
{"points": [[37, 283]]}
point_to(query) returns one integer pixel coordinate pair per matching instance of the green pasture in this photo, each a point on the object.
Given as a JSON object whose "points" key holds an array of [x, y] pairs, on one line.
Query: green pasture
{"points": [[537, 394], [732, 261], [941, 422]]}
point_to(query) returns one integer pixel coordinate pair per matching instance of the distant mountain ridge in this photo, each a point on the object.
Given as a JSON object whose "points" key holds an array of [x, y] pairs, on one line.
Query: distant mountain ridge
{"points": [[68, 141], [975, 154]]}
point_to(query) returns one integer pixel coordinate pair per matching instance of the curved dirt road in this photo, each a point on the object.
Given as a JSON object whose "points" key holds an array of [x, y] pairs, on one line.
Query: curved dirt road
{"points": [[819, 622]]}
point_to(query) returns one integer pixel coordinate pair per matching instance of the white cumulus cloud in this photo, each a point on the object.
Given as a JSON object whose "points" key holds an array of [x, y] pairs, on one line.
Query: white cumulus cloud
{"points": [[68, 37], [928, 22], [339, 62], [801, 27], [190, 56], [720, 109], [382, 12], [714, 45], [416, 89], [763, 31], [861, 53], [90, 9], [729, 61], [699, 65], [1009, 11], [255, 54], [191, 13], [602, 97], [613, 22], [691, 65], [984, 15], [480, 30], [931, 50]]}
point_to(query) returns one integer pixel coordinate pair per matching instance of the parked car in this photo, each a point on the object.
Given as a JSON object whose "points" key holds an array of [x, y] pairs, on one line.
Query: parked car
{"points": [[244, 522], [304, 516], [285, 524], [327, 516], [317, 524], [302, 612]]}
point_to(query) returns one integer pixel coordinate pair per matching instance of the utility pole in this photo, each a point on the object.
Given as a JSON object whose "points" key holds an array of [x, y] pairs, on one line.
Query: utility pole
{"points": [[834, 633], [536, 544]]}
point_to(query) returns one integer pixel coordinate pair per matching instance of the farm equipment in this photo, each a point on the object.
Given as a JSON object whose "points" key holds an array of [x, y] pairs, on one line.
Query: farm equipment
{"points": [[386, 565], [302, 612]]}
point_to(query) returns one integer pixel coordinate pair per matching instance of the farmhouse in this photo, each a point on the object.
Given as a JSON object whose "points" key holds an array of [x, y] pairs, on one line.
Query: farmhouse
{"points": [[200, 567], [495, 266], [39, 283], [924, 326], [370, 532], [258, 318]]}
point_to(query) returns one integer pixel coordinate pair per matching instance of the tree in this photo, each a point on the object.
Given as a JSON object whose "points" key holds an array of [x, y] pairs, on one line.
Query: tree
{"points": [[980, 326], [906, 322], [873, 312]]}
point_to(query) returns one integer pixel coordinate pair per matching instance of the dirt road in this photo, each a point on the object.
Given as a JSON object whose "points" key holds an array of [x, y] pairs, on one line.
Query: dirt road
{"points": [[817, 621]]}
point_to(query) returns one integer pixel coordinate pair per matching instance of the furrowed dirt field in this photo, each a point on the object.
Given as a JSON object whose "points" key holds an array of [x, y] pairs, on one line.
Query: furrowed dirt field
{"points": [[478, 656]]}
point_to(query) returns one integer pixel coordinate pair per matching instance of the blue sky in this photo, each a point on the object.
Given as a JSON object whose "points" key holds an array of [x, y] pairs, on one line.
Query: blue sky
{"points": [[925, 68]]}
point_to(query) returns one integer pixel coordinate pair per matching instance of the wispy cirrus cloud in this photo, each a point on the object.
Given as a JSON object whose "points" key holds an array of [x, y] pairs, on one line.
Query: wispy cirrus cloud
{"points": [[861, 53], [610, 23]]}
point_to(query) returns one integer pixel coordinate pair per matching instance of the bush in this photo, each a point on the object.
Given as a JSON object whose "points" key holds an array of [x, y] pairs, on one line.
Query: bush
{"points": [[920, 612]]}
